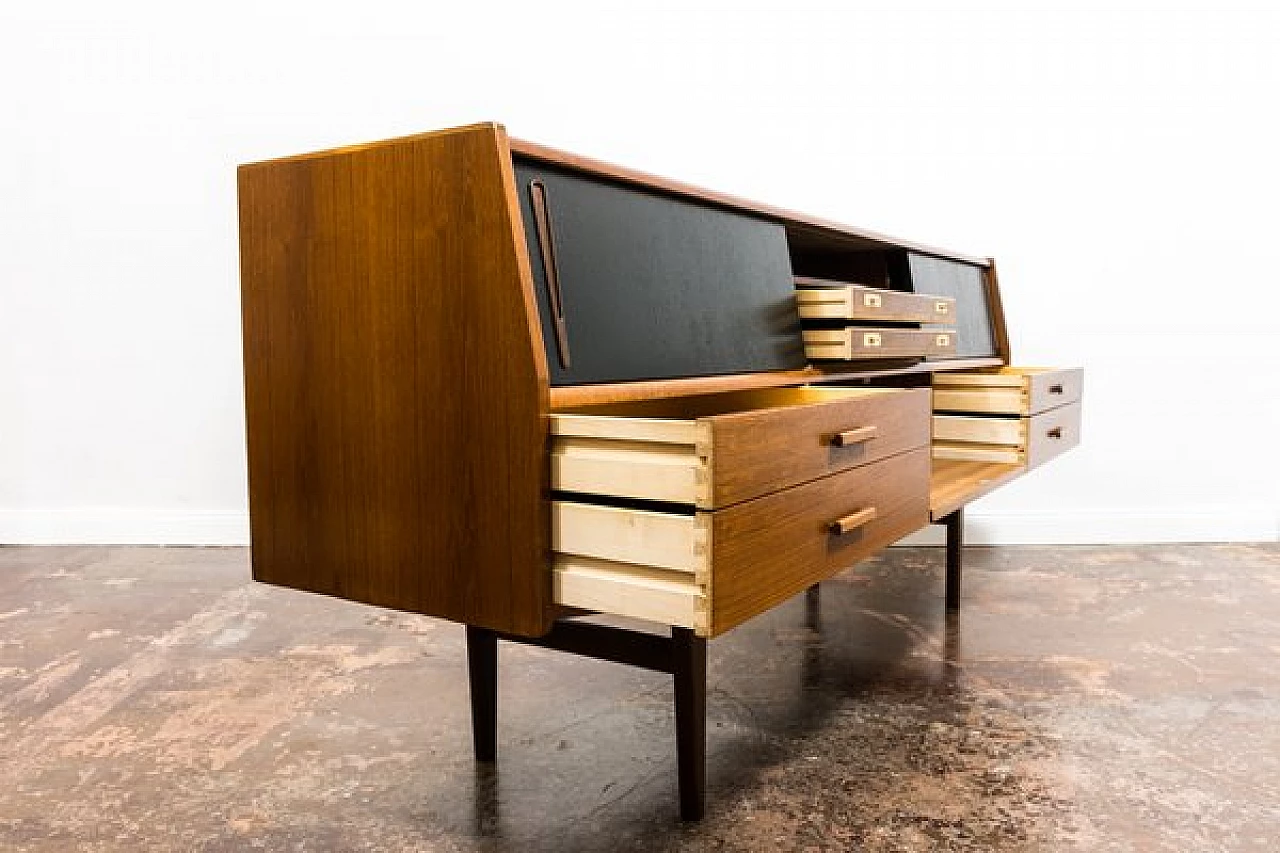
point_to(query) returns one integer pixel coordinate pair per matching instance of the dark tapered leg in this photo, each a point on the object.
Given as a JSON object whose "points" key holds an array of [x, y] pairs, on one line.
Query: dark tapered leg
{"points": [[955, 553], [482, 667], [813, 607], [689, 669]]}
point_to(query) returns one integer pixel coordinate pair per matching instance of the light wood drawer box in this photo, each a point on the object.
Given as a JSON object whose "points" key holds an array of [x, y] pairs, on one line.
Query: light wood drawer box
{"points": [[1006, 390], [715, 450], [713, 570], [1024, 441], [852, 302], [859, 342]]}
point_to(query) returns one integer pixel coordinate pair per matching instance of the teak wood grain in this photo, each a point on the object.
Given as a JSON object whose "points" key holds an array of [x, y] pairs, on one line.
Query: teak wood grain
{"points": [[757, 452], [954, 483], [396, 386], [769, 549], [717, 450]]}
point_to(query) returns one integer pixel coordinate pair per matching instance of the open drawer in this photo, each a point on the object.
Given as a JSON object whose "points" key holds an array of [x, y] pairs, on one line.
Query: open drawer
{"points": [[715, 450], [711, 570], [1024, 441], [859, 342], [817, 299], [1006, 390]]}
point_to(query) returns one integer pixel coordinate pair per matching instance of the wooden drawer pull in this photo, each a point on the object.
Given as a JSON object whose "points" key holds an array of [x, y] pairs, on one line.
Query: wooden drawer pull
{"points": [[852, 522], [1056, 432], [1055, 389], [853, 436]]}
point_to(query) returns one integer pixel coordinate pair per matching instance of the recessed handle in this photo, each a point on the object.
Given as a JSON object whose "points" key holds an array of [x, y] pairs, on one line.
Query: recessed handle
{"points": [[852, 522], [547, 246], [853, 436], [1055, 389], [1056, 432]]}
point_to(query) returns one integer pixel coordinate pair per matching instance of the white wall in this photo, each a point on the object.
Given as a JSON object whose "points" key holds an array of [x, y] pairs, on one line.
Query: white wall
{"points": [[1119, 161]]}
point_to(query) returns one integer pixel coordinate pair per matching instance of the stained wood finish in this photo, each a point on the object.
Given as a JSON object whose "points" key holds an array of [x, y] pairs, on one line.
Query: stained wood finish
{"points": [[396, 388], [844, 235], [995, 306], [769, 549], [858, 342], [819, 299], [955, 483], [722, 449]]}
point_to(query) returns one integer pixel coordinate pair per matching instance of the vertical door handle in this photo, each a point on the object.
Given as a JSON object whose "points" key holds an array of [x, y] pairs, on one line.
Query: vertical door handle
{"points": [[547, 247]]}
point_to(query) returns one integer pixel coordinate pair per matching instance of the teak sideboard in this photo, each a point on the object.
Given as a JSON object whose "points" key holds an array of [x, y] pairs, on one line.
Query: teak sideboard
{"points": [[516, 388]]}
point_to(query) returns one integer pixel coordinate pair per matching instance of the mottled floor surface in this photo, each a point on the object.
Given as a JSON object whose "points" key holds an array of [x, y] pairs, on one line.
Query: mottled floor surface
{"points": [[1090, 699]]}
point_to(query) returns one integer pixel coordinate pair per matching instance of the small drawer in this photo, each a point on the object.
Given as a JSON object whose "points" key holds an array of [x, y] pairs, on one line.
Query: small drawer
{"points": [[1021, 441], [1006, 390], [713, 570], [831, 301], [859, 342], [714, 450]]}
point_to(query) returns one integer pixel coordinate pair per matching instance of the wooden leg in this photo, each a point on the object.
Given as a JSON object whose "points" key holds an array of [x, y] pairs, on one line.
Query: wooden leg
{"points": [[955, 556], [813, 607], [689, 669], [482, 668]]}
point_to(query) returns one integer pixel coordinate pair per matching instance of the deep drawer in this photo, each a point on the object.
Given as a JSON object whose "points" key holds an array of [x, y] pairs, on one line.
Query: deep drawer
{"points": [[859, 342], [853, 302], [716, 450], [1006, 390], [713, 570], [1024, 441]]}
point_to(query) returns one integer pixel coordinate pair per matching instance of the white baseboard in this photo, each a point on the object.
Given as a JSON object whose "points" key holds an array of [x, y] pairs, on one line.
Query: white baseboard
{"points": [[1258, 523], [106, 526]]}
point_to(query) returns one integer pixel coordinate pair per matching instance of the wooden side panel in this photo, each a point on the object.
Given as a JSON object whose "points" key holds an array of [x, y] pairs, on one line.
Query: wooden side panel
{"points": [[396, 388], [769, 549], [757, 452]]}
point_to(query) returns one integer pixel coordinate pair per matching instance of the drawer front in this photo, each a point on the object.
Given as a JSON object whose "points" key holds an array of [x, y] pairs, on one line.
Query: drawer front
{"points": [[1007, 390], [711, 571], [869, 303], [860, 342], [765, 551], [693, 451], [1030, 441], [1052, 433], [758, 452]]}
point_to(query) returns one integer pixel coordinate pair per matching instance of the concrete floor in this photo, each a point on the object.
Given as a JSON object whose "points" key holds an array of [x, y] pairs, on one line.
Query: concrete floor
{"points": [[1090, 699]]}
